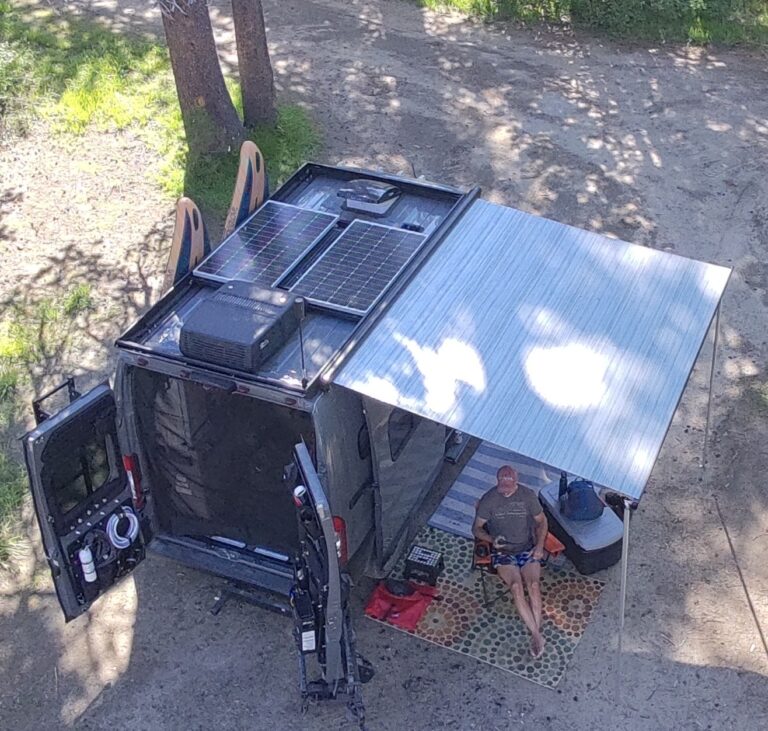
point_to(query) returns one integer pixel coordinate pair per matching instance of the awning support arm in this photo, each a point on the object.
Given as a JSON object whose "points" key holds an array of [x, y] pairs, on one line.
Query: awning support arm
{"points": [[711, 384], [629, 508]]}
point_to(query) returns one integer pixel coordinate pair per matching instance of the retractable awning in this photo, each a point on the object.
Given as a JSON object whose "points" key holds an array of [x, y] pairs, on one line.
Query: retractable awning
{"points": [[562, 345]]}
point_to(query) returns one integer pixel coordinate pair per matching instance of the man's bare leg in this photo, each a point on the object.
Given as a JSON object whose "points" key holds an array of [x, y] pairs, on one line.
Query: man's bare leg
{"points": [[511, 576], [532, 576]]}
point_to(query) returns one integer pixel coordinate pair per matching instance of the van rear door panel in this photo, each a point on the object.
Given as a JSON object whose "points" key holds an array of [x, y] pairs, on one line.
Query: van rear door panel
{"points": [[323, 563], [82, 497], [322, 581]]}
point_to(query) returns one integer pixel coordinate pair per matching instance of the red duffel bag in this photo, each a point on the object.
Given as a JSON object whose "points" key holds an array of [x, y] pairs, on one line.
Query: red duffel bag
{"points": [[400, 603]]}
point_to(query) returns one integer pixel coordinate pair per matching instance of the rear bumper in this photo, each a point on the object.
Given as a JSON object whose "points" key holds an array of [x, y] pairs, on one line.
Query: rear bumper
{"points": [[271, 576]]}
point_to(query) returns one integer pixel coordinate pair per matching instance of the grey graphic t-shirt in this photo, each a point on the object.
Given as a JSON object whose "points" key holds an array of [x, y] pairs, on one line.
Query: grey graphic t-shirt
{"points": [[511, 517]]}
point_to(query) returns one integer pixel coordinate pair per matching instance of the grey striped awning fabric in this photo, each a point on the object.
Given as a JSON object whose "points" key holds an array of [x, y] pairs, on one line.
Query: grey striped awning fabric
{"points": [[562, 345]]}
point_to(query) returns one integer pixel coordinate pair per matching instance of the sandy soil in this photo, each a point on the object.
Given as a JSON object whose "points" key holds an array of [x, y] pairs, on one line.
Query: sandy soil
{"points": [[665, 146]]}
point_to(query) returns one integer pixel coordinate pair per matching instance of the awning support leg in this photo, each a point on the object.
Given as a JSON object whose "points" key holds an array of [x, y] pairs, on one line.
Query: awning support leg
{"points": [[711, 383], [629, 507]]}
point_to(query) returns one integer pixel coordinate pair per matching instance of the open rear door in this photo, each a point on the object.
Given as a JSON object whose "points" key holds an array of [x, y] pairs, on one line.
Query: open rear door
{"points": [[82, 495], [320, 598]]}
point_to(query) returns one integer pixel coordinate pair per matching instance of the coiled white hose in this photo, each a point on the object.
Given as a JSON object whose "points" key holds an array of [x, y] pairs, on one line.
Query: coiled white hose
{"points": [[122, 542]]}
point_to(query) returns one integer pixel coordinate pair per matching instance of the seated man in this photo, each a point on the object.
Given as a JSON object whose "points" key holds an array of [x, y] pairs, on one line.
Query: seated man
{"points": [[510, 518]]}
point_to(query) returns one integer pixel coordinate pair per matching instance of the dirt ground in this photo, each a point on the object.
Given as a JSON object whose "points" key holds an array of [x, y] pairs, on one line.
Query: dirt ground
{"points": [[665, 146]]}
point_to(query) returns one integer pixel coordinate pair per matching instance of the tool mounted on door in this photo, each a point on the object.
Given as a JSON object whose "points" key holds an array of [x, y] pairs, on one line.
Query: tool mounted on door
{"points": [[323, 626]]}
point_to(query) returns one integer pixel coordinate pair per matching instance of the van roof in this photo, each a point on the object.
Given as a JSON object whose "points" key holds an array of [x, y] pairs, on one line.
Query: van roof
{"points": [[348, 263]]}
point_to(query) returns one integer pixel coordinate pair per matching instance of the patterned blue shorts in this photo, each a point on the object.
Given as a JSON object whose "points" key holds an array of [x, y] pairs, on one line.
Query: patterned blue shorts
{"points": [[511, 559]]}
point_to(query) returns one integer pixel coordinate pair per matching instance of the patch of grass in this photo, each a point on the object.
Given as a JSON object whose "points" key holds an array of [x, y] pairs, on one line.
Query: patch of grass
{"points": [[29, 333], [535, 10], [696, 21], [78, 300], [81, 75], [209, 180], [16, 349], [9, 383], [13, 487], [16, 63], [761, 394], [15, 342]]}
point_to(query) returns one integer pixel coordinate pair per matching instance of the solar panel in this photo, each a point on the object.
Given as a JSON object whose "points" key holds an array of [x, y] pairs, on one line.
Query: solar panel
{"points": [[267, 245], [358, 266]]}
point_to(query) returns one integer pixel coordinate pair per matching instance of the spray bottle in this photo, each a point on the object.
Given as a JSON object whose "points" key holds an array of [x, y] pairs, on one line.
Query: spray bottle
{"points": [[86, 561]]}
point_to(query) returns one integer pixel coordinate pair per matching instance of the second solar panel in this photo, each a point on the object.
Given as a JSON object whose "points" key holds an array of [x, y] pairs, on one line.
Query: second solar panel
{"points": [[358, 266]]}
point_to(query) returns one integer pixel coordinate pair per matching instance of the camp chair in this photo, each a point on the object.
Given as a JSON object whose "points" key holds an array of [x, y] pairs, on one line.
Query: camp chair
{"points": [[481, 560]]}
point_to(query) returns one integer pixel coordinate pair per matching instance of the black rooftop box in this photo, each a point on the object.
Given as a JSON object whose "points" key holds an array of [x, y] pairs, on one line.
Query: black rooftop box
{"points": [[239, 326]]}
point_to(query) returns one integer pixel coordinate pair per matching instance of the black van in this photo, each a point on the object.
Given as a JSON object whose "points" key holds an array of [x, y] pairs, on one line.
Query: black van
{"points": [[224, 422]]}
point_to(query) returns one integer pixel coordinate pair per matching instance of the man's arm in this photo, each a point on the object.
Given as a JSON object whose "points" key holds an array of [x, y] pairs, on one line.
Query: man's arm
{"points": [[479, 532], [541, 530]]}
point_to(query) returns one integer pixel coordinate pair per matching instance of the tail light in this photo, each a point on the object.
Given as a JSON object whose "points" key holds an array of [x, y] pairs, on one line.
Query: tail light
{"points": [[131, 464], [340, 527]]}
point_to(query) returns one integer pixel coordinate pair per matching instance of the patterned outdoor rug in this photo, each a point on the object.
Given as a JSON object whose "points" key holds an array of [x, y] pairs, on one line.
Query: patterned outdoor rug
{"points": [[496, 634]]}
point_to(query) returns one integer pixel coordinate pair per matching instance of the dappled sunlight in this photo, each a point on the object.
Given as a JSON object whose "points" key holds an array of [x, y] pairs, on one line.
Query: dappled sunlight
{"points": [[714, 281], [719, 126], [98, 647], [63, 667], [738, 368], [371, 21], [287, 66], [573, 376], [585, 345], [442, 370], [434, 376], [760, 126], [570, 377], [642, 456], [449, 24], [379, 388], [664, 147], [693, 58]]}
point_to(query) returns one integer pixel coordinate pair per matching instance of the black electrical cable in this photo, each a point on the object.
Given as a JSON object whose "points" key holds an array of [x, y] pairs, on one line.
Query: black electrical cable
{"points": [[102, 550]]}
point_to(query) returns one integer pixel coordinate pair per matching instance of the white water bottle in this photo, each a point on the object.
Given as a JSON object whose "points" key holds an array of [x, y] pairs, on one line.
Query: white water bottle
{"points": [[86, 561]]}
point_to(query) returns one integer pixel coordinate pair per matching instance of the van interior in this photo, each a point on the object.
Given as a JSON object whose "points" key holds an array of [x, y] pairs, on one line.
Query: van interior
{"points": [[217, 461]]}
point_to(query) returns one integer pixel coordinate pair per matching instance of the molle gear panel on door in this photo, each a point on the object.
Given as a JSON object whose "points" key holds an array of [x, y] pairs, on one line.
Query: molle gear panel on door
{"points": [[89, 437], [407, 455], [81, 495]]}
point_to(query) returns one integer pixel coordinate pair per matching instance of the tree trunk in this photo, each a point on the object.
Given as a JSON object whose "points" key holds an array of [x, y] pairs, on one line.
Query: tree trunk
{"points": [[256, 79], [210, 118]]}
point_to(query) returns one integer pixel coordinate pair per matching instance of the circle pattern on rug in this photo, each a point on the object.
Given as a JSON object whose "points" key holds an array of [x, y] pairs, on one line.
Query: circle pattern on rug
{"points": [[495, 634], [449, 616]]}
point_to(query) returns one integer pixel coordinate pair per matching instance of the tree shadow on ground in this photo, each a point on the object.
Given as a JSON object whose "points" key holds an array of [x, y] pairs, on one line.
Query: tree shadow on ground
{"points": [[611, 140], [82, 345], [133, 662]]}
